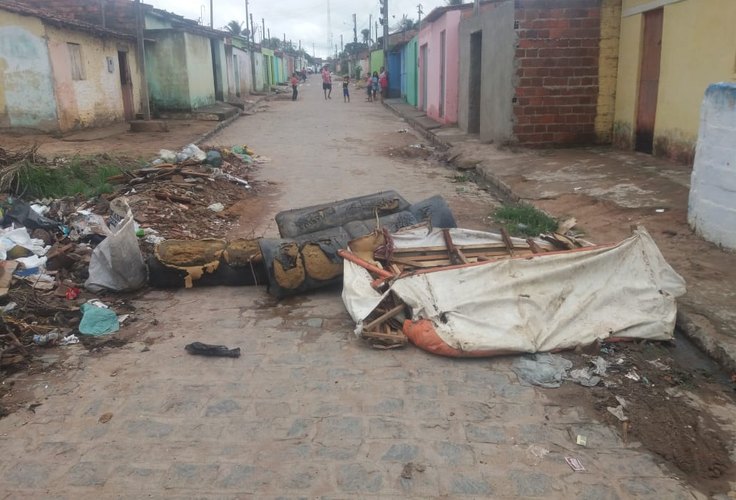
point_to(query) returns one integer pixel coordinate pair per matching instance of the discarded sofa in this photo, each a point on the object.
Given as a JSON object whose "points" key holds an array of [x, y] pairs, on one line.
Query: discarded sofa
{"points": [[535, 298], [306, 258]]}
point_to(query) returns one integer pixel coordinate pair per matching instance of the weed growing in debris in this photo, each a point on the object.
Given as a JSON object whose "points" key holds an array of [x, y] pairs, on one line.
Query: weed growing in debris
{"points": [[460, 178], [523, 219], [79, 175]]}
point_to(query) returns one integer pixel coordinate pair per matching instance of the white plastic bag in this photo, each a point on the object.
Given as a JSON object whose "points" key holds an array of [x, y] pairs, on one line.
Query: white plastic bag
{"points": [[117, 263]]}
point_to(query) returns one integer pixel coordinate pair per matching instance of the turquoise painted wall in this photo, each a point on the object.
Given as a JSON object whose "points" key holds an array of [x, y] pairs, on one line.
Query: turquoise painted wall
{"points": [[409, 72], [166, 72]]}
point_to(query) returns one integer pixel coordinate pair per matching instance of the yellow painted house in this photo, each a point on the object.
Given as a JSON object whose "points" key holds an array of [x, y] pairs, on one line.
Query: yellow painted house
{"points": [[669, 52]]}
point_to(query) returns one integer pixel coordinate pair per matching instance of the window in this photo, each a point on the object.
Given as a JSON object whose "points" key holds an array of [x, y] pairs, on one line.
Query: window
{"points": [[75, 58]]}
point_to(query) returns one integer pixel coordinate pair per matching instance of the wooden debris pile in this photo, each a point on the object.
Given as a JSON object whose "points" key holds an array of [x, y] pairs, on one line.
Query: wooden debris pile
{"points": [[379, 255]]}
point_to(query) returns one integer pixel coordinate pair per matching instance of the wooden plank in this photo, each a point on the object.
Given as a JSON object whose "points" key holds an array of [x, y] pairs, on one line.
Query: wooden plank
{"points": [[383, 317], [507, 241], [533, 245]]}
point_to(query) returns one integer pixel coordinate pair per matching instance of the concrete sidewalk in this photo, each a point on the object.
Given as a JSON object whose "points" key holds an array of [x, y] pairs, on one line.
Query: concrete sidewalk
{"points": [[608, 191]]}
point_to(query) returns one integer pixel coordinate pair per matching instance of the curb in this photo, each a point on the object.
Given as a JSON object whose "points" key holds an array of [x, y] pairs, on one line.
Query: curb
{"points": [[689, 321]]}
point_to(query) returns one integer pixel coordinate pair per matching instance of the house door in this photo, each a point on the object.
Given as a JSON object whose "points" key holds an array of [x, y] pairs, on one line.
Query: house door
{"points": [[126, 84], [423, 74], [443, 40], [646, 109], [236, 73], [474, 85], [217, 71]]}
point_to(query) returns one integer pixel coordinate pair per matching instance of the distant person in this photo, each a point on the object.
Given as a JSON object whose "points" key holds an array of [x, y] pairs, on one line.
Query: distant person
{"points": [[345, 90], [327, 82], [374, 85], [294, 85], [383, 83], [369, 86]]}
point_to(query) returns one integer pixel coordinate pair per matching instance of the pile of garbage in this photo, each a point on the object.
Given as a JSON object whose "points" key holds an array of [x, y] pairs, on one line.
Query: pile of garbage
{"points": [[57, 256]]}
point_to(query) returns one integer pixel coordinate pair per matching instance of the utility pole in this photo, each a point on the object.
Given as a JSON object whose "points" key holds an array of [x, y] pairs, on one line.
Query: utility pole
{"points": [[420, 12], [329, 26], [376, 31], [251, 43], [263, 33], [370, 30], [384, 11], [341, 45], [212, 15], [141, 57], [355, 29]]}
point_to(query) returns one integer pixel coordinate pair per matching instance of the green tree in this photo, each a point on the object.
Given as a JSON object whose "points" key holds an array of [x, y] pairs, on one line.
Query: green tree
{"points": [[406, 24], [455, 2], [235, 27]]}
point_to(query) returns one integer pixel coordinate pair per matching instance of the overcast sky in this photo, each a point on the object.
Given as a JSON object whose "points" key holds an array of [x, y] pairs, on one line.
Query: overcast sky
{"points": [[304, 20]]}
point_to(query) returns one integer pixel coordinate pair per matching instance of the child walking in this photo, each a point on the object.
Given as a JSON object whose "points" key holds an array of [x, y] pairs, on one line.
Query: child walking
{"points": [[294, 84], [369, 86], [345, 90]]}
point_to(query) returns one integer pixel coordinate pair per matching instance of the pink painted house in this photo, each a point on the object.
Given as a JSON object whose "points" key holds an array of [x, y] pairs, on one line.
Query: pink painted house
{"points": [[439, 66]]}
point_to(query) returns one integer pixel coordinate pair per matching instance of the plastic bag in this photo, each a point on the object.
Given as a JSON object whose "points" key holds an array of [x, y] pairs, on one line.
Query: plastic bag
{"points": [[117, 263], [191, 151]]}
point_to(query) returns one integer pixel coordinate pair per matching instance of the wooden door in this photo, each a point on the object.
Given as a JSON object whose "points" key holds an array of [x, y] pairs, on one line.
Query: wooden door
{"points": [[423, 73], [126, 84], [646, 110]]}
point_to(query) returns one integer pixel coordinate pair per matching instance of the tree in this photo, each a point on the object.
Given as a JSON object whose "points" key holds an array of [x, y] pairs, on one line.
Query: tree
{"points": [[235, 28], [354, 48], [366, 33], [272, 43], [454, 2], [406, 24]]}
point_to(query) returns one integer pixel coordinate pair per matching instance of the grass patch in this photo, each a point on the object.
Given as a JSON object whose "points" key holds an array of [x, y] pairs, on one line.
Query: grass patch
{"points": [[460, 178], [523, 219], [86, 176]]}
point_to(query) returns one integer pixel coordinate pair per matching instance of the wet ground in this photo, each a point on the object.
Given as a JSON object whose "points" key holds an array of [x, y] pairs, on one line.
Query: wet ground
{"points": [[308, 409]]}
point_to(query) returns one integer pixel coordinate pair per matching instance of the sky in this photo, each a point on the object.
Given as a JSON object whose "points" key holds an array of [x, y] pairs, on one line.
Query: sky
{"points": [[304, 20]]}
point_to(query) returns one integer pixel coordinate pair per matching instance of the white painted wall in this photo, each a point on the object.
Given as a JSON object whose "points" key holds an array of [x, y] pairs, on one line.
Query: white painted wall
{"points": [[712, 205]]}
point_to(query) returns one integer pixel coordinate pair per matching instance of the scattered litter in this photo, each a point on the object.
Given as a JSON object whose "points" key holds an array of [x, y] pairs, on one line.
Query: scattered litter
{"points": [[72, 293], [581, 440], [575, 464], [216, 207], [47, 339], [8, 307], [200, 349], [590, 376], [407, 472], [98, 320], [621, 401], [69, 339], [105, 418], [658, 364], [545, 370], [633, 376], [659, 210], [402, 131], [536, 453], [617, 412]]}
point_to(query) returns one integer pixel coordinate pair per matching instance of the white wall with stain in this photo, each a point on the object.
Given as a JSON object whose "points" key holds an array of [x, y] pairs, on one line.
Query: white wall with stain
{"points": [[27, 98]]}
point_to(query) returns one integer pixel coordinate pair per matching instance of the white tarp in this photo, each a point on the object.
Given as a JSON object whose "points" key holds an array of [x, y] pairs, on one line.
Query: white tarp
{"points": [[534, 304]]}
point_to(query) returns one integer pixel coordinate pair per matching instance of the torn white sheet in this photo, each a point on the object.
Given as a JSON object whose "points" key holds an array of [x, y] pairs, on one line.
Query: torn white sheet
{"points": [[539, 303]]}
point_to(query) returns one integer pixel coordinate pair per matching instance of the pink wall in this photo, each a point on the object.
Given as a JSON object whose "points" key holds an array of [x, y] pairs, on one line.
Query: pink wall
{"points": [[430, 35]]}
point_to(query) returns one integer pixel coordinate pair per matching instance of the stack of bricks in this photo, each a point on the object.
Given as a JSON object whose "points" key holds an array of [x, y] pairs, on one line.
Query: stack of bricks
{"points": [[557, 71]]}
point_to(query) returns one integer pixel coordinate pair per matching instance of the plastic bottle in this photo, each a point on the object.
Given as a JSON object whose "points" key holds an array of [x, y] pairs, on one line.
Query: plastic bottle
{"points": [[49, 338]]}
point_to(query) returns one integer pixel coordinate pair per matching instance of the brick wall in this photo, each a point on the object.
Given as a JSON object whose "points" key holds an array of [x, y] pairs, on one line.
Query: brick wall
{"points": [[557, 58]]}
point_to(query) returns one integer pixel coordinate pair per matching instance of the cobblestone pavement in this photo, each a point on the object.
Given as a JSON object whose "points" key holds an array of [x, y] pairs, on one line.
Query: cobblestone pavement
{"points": [[307, 411]]}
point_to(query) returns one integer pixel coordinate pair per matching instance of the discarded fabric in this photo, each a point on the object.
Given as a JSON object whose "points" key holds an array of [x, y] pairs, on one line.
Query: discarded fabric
{"points": [[98, 320], [200, 349], [544, 370]]}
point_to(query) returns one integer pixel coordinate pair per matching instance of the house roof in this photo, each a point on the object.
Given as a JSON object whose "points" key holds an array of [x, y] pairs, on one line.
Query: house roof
{"points": [[55, 20], [440, 11]]}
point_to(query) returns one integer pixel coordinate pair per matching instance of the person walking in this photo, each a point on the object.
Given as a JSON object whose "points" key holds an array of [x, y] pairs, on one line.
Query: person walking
{"points": [[327, 82], [369, 86], [294, 85], [374, 85], [345, 89]]}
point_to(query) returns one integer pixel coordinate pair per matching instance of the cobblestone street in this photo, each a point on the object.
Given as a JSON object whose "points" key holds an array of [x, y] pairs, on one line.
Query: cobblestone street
{"points": [[308, 410]]}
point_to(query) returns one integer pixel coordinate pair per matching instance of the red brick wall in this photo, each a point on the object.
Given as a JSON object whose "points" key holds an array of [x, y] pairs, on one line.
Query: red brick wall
{"points": [[557, 71]]}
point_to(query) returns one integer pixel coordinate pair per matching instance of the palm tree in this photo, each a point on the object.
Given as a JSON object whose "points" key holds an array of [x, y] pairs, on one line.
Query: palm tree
{"points": [[234, 27]]}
